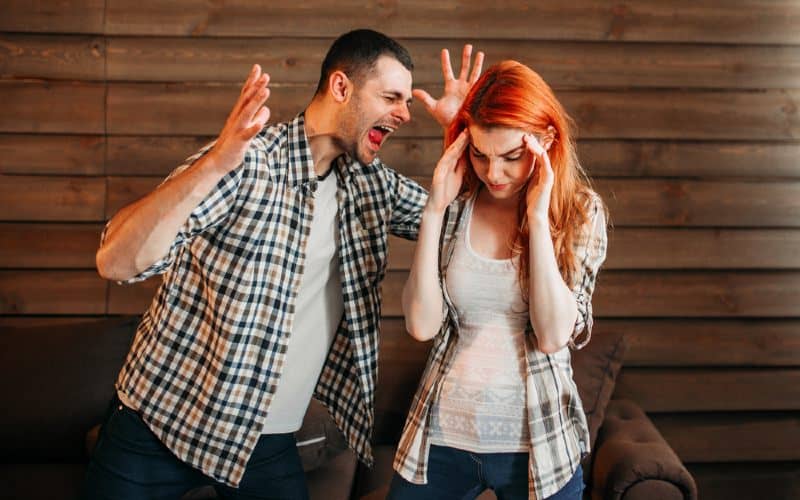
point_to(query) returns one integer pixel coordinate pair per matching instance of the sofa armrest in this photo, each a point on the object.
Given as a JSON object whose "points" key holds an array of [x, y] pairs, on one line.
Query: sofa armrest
{"points": [[632, 460]]}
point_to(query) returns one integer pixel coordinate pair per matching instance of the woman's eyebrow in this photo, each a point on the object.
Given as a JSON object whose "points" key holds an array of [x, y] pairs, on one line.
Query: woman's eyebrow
{"points": [[507, 153]]}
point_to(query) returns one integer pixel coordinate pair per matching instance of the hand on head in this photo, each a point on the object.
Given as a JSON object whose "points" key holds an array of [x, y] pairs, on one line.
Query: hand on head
{"points": [[540, 185], [445, 108]]}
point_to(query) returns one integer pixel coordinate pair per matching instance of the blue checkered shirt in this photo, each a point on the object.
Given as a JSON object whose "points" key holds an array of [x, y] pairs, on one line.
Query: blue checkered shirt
{"points": [[209, 351]]}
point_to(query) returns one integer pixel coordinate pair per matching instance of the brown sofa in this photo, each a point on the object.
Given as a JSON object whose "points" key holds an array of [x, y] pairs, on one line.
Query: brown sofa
{"points": [[57, 380]]}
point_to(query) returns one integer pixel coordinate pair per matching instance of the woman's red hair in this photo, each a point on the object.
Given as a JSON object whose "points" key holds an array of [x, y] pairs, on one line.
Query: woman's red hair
{"points": [[511, 95]]}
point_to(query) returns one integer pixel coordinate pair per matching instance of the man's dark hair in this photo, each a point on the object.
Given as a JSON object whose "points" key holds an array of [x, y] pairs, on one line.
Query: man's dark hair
{"points": [[355, 54]]}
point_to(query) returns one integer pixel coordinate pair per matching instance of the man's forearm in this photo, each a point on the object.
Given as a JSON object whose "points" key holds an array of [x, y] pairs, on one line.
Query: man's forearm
{"points": [[141, 233]]}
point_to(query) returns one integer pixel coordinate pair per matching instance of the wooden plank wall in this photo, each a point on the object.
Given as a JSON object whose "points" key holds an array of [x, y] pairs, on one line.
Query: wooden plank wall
{"points": [[688, 120]]}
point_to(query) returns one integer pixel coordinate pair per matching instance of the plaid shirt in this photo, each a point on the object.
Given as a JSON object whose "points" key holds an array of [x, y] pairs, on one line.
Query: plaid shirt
{"points": [[556, 420], [208, 354]]}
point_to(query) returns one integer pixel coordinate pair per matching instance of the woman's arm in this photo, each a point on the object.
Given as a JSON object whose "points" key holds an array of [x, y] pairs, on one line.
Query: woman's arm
{"points": [[422, 294]]}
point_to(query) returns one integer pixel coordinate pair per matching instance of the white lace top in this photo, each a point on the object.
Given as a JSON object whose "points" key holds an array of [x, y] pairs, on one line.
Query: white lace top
{"points": [[482, 404]]}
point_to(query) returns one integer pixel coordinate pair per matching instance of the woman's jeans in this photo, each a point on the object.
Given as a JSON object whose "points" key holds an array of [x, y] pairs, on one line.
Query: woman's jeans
{"points": [[130, 462], [458, 474]]}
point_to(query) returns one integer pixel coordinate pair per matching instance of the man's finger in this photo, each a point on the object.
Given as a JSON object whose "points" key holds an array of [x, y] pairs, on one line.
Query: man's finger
{"points": [[425, 97], [476, 69], [466, 55], [447, 69]]}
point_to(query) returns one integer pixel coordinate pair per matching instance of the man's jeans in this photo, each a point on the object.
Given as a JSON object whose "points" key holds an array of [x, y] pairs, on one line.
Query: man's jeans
{"points": [[458, 474], [130, 462]]}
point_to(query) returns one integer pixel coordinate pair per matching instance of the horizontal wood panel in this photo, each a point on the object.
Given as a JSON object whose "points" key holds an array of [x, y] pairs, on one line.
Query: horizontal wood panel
{"points": [[38, 154], [63, 16], [52, 292], [746, 481], [30, 198], [676, 248], [610, 158], [691, 248], [36, 106], [158, 155], [49, 245], [200, 109], [706, 342], [656, 202], [685, 390], [732, 437], [638, 20], [58, 57], [561, 64], [644, 203], [621, 294]]}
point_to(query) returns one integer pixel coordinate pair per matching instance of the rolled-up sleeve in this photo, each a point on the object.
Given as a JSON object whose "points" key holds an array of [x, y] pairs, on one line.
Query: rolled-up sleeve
{"points": [[409, 201], [213, 210], [590, 252]]}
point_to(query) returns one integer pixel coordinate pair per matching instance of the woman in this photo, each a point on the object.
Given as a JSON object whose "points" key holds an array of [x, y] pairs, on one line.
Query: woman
{"points": [[511, 240]]}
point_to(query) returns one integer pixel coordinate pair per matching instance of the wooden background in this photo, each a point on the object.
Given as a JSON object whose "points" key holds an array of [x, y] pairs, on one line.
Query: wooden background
{"points": [[688, 121]]}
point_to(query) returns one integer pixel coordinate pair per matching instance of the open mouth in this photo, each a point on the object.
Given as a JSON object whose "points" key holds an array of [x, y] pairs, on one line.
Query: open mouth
{"points": [[378, 134]]}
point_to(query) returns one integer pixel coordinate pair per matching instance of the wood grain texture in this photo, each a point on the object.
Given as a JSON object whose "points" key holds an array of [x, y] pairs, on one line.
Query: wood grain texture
{"points": [[31, 198], [33, 106], [52, 292], [64, 16], [45, 154], [561, 64], [638, 20], [703, 389], [679, 342], [47, 246], [56, 57], [732, 437]]}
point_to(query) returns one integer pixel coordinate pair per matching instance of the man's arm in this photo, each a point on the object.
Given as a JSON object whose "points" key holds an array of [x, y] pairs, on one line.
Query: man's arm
{"points": [[142, 233]]}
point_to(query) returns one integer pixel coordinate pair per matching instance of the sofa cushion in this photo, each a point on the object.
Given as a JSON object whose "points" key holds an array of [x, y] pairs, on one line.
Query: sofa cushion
{"points": [[57, 382], [595, 369]]}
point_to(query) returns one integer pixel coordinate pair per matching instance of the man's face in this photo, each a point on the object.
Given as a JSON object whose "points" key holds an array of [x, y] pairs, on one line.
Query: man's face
{"points": [[379, 106]]}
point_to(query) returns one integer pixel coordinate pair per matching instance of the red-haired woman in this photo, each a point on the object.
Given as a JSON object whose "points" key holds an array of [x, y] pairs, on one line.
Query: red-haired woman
{"points": [[511, 241]]}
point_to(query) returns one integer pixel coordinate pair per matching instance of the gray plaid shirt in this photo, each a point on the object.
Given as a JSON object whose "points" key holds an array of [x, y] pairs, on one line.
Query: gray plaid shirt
{"points": [[208, 354], [556, 421]]}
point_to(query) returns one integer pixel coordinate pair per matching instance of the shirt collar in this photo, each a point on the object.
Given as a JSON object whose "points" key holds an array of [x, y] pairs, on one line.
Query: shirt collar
{"points": [[301, 163]]}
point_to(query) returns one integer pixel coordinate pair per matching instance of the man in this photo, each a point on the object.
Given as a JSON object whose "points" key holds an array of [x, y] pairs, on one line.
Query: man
{"points": [[273, 243]]}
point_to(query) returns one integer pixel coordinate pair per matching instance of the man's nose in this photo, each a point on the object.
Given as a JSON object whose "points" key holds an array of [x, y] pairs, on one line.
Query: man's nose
{"points": [[402, 113]]}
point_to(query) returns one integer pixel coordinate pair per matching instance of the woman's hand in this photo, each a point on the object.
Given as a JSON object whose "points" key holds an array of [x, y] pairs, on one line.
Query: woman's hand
{"points": [[449, 174], [445, 108], [540, 185]]}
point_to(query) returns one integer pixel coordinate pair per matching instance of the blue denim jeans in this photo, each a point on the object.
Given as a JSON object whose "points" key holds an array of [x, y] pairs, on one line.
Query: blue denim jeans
{"points": [[130, 462], [458, 474]]}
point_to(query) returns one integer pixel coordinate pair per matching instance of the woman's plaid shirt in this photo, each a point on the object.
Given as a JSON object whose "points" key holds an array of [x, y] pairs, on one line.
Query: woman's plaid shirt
{"points": [[209, 352], [556, 420]]}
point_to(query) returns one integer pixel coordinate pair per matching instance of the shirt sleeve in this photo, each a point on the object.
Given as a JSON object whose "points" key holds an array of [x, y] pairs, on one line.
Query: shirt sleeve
{"points": [[590, 251], [213, 210], [409, 201]]}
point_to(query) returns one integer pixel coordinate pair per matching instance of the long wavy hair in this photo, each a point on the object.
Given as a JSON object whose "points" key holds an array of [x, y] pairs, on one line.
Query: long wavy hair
{"points": [[511, 95]]}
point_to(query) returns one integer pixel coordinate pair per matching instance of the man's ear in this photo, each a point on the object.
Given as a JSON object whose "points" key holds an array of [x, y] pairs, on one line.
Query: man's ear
{"points": [[549, 137], [340, 87]]}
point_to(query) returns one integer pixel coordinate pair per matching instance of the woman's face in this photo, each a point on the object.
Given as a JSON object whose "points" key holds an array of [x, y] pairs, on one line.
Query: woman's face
{"points": [[500, 160]]}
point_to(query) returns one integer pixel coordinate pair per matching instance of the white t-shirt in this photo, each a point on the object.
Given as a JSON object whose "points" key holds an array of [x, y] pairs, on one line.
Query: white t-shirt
{"points": [[318, 311]]}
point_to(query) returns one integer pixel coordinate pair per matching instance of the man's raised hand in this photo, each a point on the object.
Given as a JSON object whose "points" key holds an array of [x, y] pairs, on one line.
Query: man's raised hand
{"points": [[247, 118], [445, 108]]}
